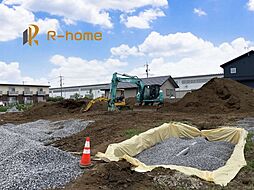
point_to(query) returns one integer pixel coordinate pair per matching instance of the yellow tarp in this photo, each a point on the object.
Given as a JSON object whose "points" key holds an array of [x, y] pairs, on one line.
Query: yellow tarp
{"points": [[222, 176]]}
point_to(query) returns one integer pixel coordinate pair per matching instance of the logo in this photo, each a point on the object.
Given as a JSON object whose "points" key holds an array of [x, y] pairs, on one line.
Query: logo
{"points": [[29, 35], [32, 31]]}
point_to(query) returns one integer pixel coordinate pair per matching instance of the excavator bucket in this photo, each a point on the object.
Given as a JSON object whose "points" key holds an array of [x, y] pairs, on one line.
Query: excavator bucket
{"points": [[92, 102]]}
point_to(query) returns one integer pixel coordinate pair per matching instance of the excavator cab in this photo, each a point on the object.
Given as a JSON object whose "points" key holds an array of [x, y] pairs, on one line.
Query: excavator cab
{"points": [[120, 100], [153, 94]]}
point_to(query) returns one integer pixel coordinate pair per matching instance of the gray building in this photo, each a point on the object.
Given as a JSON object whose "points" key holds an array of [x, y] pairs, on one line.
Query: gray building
{"points": [[91, 91], [189, 83], [241, 69], [166, 83]]}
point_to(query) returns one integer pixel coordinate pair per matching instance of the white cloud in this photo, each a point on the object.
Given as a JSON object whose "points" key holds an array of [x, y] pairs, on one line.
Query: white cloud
{"points": [[90, 11], [143, 20], [124, 51], [88, 72], [199, 12], [47, 24], [173, 44], [14, 20], [69, 21], [182, 54], [251, 5], [10, 73]]}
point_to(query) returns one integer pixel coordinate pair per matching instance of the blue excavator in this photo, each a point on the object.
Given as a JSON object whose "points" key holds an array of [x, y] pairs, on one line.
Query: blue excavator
{"points": [[147, 94]]}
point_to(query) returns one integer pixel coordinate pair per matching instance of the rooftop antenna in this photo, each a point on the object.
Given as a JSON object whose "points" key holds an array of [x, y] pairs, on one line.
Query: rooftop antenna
{"points": [[247, 49]]}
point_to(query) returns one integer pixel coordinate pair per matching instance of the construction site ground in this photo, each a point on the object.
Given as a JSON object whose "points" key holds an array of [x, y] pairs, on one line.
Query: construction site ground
{"points": [[114, 127], [117, 126]]}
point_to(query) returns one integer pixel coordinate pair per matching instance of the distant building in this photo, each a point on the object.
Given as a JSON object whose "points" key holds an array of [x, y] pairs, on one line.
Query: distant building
{"points": [[91, 91], [241, 69], [25, 94], [166, 83], [190, 83], [172, 87]]}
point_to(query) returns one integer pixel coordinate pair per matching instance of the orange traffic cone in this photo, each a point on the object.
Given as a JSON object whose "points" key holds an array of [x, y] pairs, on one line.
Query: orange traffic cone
{"points": [[86, 158]]}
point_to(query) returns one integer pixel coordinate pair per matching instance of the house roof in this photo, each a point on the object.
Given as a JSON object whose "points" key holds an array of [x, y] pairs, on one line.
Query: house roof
{"points": [[147, 81], [28, 85], [237, 58]]}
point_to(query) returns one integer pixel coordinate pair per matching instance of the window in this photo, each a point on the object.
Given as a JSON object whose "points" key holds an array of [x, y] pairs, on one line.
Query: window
{"points": [[169, 92], [11, 89], [233, 70], [40, 89], [27, 90], [191, 81]]}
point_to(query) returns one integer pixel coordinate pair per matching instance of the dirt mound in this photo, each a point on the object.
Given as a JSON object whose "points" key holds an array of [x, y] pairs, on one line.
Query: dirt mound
{"points": [[73, 104], [56, 108], [131, 101], [216, 96], [99, 106], [112, 176]]}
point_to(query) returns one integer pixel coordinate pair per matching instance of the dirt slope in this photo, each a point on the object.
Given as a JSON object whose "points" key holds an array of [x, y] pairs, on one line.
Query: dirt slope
{"points": [[216, 96]]}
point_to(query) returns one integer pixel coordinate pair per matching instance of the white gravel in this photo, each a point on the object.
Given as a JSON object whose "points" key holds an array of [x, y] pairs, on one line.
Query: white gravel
{"points": [[26, 163], [203, 154]]}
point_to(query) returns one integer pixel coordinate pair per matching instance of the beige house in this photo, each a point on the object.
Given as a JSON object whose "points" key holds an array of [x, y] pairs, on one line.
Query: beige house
{"points": [[166, 83], [25, 94]]}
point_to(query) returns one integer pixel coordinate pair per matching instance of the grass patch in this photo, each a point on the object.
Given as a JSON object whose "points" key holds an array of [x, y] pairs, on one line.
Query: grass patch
{"points": [[3, 108], [249, 150], [132, 132], [250, 165], [249, 146]]}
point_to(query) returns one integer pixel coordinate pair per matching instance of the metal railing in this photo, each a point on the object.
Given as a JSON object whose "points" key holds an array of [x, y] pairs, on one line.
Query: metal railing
{"points": [[13, 93], [28, 93], [41, 93]]}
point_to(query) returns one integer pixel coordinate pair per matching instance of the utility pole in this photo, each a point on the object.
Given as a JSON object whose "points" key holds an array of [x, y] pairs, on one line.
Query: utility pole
{"points": [[147, 69], [61, 85]]}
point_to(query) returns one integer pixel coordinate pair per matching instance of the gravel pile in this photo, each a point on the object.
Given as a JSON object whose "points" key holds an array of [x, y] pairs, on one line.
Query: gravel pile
{"points": [[25, 163], [246, 123], [198, 153], [46, 131]]}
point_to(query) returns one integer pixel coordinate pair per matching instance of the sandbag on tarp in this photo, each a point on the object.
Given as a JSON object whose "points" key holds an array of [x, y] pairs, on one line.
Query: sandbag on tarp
{"points": [[222, 176]]}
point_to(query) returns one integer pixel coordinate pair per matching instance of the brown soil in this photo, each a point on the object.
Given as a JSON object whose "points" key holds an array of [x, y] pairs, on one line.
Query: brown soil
{"points": [[216, 96], [130, 101], [56, 108], [113, 127], [99, 106]]}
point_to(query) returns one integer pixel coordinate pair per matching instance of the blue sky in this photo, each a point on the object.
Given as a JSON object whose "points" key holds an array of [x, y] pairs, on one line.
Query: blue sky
{"points": [[176, 37]]}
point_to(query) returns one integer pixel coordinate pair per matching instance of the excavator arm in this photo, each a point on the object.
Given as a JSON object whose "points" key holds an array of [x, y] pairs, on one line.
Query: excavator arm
{"points": [[124, 78]]}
